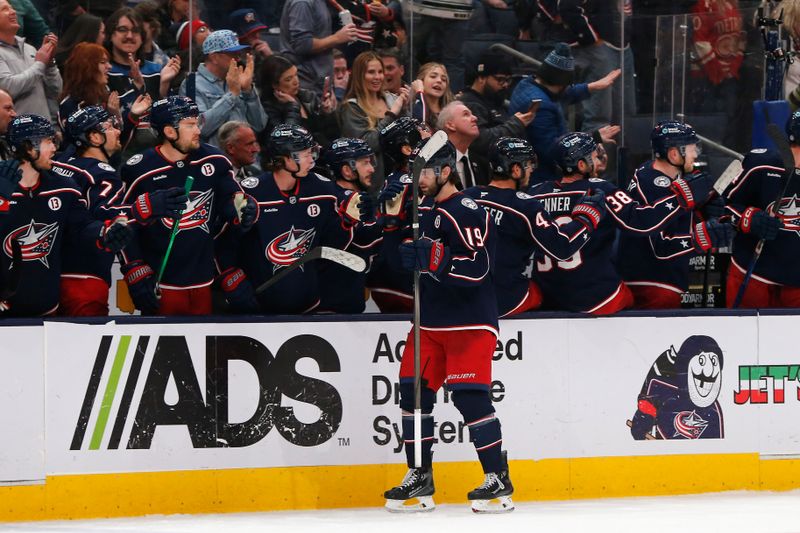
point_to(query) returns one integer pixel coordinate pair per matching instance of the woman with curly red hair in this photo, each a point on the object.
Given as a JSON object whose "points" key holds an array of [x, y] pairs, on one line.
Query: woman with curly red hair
{"points": [[86, 84]]}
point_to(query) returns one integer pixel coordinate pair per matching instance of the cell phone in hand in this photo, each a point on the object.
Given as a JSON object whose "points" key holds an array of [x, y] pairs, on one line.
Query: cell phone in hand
{"points": [[345, 17], [326, 87], [534, 107]]}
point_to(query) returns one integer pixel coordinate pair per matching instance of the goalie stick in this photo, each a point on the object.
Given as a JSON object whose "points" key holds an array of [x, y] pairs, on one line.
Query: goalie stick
{"points": [[785, 151], [346, 259], [434, 144]]}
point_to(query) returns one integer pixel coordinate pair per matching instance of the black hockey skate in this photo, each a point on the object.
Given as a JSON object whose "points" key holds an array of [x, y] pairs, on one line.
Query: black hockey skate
{"points": [[417, 484], [494, 495]]}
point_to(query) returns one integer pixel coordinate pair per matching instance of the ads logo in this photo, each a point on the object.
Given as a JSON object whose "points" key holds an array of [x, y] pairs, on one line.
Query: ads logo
{"points": [[680, 395], [113, 396]]}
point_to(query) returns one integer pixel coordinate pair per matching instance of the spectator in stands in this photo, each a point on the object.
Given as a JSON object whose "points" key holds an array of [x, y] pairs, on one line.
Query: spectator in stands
{"points": [[553, 86], [149, 12], [31, 24], [434, 84], [789, 11], [307, 41], [341, 75], [285, 102], [224, 90], [238, 142], [173, 14], [394, 69], [461, 127], [595, 27], [7, 114], [485, 98], [199, 33], [30, 76], [368, 108], [190, 49], [373, 22], [86, 28], [86, 84], [440, 34], [249, 28], [129, 70]]}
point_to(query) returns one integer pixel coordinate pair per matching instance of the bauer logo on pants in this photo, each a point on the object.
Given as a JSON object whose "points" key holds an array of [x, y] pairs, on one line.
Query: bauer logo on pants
{"points": [[140, 383]]}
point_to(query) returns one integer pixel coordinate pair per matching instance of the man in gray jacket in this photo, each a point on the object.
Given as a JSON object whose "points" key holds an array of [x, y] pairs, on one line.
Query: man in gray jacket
{"points": [[224, 90], [30, 76]]}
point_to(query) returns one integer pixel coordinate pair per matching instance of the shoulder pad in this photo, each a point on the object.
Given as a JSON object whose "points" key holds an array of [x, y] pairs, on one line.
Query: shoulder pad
{"points": [[761, 157], [469, 203]]}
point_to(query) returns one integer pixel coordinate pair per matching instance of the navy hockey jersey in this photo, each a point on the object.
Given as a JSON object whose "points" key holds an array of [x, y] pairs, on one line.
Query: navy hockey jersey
{"points": [[661, 258], [288, 226], [191, 264], [523, 226], [41, 218], [341, 289], [760, 183], [102, 190], [589, 279], [463, 297]]}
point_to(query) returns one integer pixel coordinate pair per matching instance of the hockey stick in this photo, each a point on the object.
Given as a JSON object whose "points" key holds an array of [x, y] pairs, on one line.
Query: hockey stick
{"points": [[785, 151], [175, 228], [725, 179], [434, 144], [340, 257], [12, 284]]}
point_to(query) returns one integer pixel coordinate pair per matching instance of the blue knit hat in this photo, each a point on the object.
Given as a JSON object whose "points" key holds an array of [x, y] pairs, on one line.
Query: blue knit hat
{"points": [[558, 67]]}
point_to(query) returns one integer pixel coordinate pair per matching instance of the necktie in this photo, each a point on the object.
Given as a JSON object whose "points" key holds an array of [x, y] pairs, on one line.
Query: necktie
{"points": [[469, 180]]}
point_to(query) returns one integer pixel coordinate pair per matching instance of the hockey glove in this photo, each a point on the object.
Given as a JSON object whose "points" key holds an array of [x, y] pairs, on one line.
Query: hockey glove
{"points": [[246, 210], [115, 234], [644, 419], [712, 234], [591, 209], [757, 222], [692, 190], [714, 208], [141, 282], [164, 203], [425, 255], [390, 200], [10, 174], [239, 291], [357, 207]]}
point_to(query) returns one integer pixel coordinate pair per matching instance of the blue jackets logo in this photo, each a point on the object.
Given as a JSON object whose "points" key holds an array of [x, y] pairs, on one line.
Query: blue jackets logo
{"points": [[290, 246], [197, 212], [36, 241]]}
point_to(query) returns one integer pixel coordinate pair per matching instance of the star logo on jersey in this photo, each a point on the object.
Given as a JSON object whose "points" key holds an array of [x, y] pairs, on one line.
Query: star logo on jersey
{"points": [[684, 243], [689, 425], [290, 246], [669, 206], [789, 213], [197, 212], [36, 241]]}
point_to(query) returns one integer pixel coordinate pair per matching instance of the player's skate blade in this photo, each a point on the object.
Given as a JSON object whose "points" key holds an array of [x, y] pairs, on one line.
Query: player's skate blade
{"points": [[424, 504], [417, 485], [503, 504]]}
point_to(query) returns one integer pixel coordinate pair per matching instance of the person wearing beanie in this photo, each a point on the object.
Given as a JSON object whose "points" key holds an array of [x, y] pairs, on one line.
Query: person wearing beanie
{"points": [[199, 32], [486, 98], [553, 85]]}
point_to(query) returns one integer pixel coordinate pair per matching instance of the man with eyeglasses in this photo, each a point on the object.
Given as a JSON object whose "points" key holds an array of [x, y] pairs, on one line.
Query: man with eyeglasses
{"points": [[487, 99], [28, 75]]}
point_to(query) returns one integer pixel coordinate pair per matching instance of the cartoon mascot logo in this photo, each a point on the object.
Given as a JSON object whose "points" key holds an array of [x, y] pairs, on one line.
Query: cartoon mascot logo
{"points": [[679, 396]]}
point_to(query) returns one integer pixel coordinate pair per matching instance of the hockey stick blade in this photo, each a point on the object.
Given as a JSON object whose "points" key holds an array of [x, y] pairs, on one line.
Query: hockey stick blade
{"points": [[727, 177], [340, 257]]}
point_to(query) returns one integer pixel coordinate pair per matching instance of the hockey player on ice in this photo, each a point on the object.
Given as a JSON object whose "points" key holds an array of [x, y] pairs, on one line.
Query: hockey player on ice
{"points": [[458, 327], [679, 397]]}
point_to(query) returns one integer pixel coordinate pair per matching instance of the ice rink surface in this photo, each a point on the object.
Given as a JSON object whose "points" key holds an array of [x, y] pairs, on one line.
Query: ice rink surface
{"points": [[731, 512]]}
